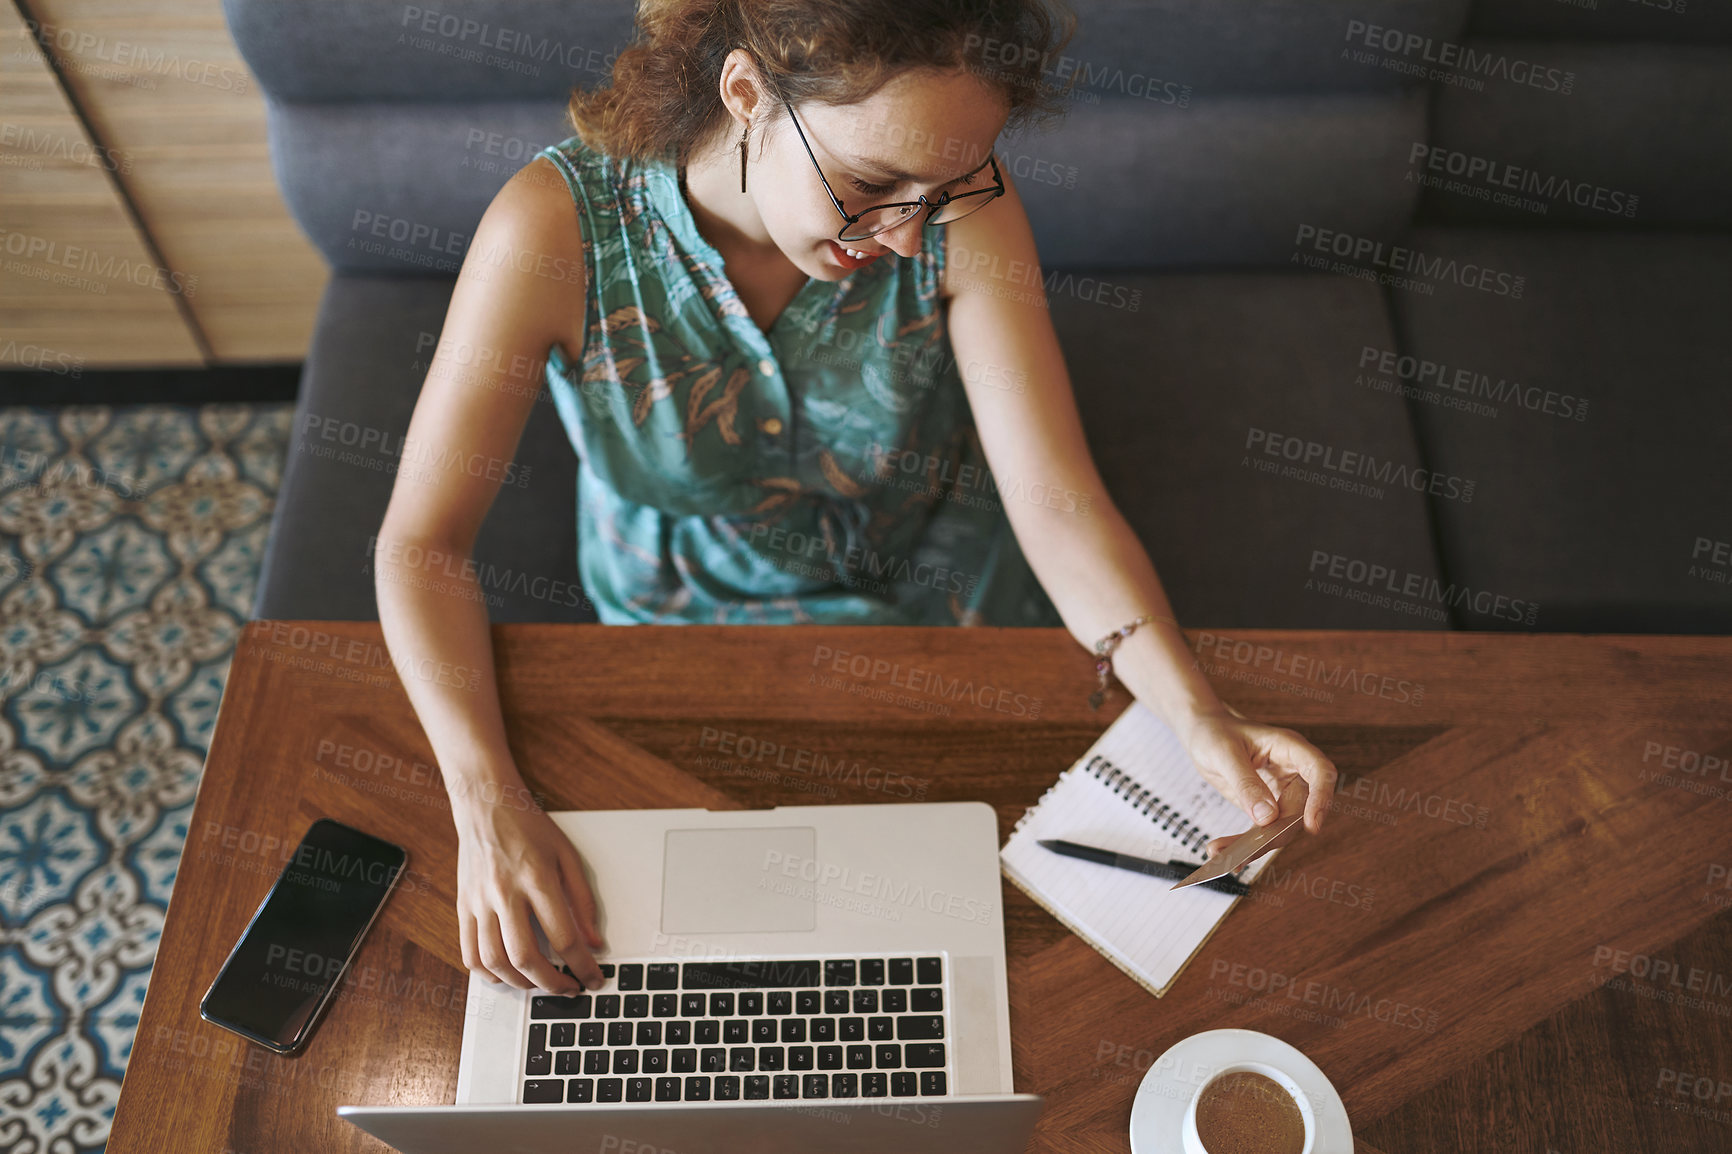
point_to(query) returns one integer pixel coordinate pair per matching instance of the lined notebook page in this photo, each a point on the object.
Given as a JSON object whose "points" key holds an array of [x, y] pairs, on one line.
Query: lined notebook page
{"points": [[1142, 925]]}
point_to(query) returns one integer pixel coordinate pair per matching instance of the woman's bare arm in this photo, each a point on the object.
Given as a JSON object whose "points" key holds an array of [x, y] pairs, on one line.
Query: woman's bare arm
{"points": [[521, 288]]}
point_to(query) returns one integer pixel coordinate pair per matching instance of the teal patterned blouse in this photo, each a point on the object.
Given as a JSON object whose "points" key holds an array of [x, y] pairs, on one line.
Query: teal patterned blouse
{"points": [[827, 471]]}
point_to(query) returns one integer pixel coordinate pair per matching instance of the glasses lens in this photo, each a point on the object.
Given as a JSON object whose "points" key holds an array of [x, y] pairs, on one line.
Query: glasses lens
{"points": [[876, 220], [959, 208]]}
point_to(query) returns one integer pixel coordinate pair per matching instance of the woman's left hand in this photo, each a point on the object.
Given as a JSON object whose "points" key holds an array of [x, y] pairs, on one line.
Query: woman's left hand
{"points": [[1251, 764]]}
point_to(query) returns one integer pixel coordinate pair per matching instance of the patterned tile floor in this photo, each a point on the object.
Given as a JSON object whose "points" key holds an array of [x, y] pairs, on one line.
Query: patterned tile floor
{"points": [[130, 544]]}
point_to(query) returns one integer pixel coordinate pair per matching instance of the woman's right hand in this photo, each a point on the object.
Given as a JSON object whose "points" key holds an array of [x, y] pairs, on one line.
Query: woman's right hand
{"points": [[514, 865]]}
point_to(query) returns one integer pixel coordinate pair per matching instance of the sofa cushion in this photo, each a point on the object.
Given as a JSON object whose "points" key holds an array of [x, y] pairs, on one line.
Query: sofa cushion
{"points": [[369, 355], [1184, 396], [1608, 516]]}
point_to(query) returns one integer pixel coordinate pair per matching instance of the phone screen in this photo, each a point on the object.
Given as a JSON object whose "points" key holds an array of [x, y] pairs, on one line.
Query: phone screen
{"points": [[289, 960]]}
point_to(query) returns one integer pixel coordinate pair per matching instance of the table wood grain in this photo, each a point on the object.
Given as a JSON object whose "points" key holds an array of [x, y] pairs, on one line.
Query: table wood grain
{"points": [[1511, 934]]}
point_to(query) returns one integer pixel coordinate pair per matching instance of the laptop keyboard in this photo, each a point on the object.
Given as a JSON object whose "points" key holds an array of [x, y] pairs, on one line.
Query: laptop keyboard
{"points": [[739, 1030]]}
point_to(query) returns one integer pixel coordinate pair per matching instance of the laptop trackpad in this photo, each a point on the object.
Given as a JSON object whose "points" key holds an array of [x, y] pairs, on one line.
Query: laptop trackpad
{"points": [[723, 881]]}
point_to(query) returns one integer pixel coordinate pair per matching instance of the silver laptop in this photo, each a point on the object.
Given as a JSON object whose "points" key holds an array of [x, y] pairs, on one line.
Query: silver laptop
{"points": [[806, 978]]}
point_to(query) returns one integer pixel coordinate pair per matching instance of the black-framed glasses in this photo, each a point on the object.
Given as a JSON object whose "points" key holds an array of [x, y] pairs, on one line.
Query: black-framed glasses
{"points": [[872, 221]]}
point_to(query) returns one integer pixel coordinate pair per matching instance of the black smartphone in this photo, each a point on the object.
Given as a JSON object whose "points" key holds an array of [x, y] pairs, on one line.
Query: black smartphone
{"points": [[286, 966]]}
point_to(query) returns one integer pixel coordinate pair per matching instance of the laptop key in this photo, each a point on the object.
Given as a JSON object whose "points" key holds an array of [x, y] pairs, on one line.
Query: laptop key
{"points": [[655, 1061], [595, 1061], [590, 1034], [664, 1005], [932, 1082], [799, 1057], [607, 1006], [770, 1058], [685, 1060], [580, 1090], [538, 1064], [735, 1031], [904, 1084], [844, 1085], [649, 1034], [839, 972], [752, 1003], [930, 971], [721, 1005], [923, 1054], [707, 1032], [606, 969], [859, 1057], [668, 1089], [793, 1029], [742, 1058], [814, 1085], [926, 1000], [698, 1088], [878, 1029], [836, 1001], [713, 1060], [562, 1035], [544, 1090], [875, 1085], [764, 1030], [631, 976], [787, 1085], [568, 1062], [919, 1027], [624, 1062], [872, 972], [637, 1005], [853, 1029], [901, 971], [609, 1089], [662, 976], [552, 1006], [829, 1057], [889, 1056], [693, 1005], [639, 1089], [823, 1029], [679, 1034], [619, 1033], [866, 1002], [727, 1088], [757, 1087], [780, 1001], [894, 1002]]}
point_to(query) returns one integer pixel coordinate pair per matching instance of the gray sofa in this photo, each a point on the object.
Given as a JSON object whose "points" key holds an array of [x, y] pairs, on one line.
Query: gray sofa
{"points": [[1390, 314]]}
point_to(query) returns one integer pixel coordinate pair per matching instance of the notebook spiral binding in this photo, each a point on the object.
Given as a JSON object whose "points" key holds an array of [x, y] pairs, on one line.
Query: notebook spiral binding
{"points": [[1144, 801]]}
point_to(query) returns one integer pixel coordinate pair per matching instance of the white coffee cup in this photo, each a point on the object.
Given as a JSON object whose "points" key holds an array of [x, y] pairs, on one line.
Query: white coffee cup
{"points": [[1193, 1144]]}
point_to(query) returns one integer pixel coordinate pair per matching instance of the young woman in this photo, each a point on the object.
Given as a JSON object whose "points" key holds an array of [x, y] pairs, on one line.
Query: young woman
{"points": [[790, 311]]}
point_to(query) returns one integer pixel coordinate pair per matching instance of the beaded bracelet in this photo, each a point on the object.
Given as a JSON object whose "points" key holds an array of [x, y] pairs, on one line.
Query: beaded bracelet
{"points": [[1104, 651]]}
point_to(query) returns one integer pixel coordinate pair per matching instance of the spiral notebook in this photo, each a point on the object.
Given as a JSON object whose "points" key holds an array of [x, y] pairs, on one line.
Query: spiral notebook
{"points": [[1135, 791]]}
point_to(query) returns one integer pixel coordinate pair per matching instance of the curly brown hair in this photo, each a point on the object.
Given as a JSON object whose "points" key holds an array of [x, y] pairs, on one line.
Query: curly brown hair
{"points": [[665, 96]]}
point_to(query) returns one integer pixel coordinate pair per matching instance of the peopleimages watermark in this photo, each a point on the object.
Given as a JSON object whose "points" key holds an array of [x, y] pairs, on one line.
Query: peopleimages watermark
{"points": [[509, 49], [843, 770], [1436, 382], [855, 565], [1396, 265], [1307, 672], [983, 270], [350, 658], [1508, 185], [894, 892], [480, 366], [27, 143], [350, 442], [1405, 587], [49, 473], [1330, 467], [932, 474], [927, 682], [29, 355], [27, 247], [407, 563], [1461, 65], [1691, 770], [1334, 1005], [1685, 1091], [1717, 553], [1664, 980], [1077, 78], [130, 59]]}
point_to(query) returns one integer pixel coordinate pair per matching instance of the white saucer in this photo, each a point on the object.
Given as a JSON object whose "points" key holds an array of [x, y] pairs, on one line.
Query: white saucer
{"points": [[1158, 1112]]}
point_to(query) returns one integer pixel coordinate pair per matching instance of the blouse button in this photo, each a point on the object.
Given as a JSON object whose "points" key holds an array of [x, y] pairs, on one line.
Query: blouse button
{"points": [[767, 367], [772, 426]]}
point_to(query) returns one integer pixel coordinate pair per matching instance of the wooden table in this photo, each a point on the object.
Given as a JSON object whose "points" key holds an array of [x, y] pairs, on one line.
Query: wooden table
{"points": [[1511, 935]]}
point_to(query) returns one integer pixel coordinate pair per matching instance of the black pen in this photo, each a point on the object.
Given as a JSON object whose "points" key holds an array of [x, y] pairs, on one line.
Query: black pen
{"points": [[1176, 870]]}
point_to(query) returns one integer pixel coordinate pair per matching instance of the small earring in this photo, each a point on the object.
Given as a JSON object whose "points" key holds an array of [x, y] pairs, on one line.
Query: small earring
{"points": [[743, 133]]}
